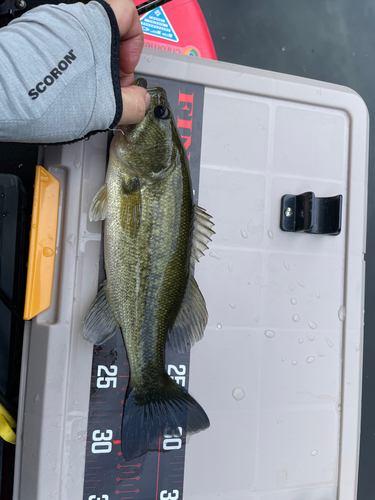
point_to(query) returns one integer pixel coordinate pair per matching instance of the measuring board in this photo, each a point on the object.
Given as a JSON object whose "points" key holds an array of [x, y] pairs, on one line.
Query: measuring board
{"points": [[157, 474], [279, 368]]}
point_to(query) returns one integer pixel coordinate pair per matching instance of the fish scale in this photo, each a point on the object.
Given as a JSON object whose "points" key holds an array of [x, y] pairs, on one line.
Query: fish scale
{"points": [[153, 236]]}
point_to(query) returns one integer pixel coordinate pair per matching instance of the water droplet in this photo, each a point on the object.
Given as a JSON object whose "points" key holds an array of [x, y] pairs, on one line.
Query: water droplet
{"points": [[215, 255], [232, 305], [301, 283], [295, 318], [244, 234], [36, 398], [329, 342], [342, 313], [300, 341], [238, 393], [310, 337], [283, 49], [283, 359], [286, 265], [5, 214], [71, 239], [318, 295], [314, 453], [270, 234], [356, 347], [294, 362], [34, 226], [291, 289], [321, 354], [312, 325], [219, 326], [269, 333], [293, 301], [230, 267], [310, 359], [47, 252]]}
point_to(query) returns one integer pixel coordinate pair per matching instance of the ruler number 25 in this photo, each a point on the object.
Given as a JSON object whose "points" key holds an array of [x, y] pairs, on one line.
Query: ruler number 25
{"points": [[164, 495], [109, 378], [173, 371]]}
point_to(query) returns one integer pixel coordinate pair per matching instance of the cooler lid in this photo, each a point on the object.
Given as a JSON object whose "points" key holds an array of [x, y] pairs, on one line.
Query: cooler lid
{"points": [[279, 369]]}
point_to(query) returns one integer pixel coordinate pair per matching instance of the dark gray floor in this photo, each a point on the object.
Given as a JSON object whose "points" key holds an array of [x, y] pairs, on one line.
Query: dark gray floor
{"points": [[333, 41]]}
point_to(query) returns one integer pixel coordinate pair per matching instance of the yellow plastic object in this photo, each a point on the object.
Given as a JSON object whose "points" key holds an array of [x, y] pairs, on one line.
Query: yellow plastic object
{"points": [[42, 243], [7, 424]]}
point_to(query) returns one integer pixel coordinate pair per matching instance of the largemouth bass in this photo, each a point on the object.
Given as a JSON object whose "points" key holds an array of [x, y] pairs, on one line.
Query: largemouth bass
{"points": [[152, 237]]}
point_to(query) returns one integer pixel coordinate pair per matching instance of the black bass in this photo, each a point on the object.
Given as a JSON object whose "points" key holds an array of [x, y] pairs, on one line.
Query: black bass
{"points": [[152, 237]]}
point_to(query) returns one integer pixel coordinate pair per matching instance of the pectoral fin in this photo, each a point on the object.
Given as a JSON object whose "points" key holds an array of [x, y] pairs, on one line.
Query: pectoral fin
{"points": [[191, 320], [98, 209], [132, 206], [100, 324], [202, 233]]}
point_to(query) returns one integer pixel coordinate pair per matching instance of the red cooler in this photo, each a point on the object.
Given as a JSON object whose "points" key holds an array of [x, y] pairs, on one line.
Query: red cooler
{"points": [[178, 26]]}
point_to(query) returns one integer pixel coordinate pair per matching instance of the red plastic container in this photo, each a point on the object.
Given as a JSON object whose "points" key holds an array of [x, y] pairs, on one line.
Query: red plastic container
{"points": [[178, 26]]}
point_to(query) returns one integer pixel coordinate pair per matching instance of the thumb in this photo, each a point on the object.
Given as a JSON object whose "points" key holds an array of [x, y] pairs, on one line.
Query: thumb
{"points": [[135, 102]]}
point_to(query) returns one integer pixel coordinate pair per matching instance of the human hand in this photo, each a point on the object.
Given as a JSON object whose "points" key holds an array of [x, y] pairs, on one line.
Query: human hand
{"points": [[135, 99]]}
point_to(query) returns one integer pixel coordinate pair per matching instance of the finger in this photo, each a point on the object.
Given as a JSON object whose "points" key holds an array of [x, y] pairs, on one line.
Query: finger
{"points": [[126, 80], [130, 52], [131, 34], [135, 103], [127, 18]]}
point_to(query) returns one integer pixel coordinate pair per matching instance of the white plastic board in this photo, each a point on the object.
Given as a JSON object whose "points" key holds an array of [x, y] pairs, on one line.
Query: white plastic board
{"points": [[279, 370]]}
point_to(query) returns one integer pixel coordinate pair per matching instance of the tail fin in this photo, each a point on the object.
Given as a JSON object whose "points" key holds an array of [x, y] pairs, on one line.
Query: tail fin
{"points": [[149, 414]]}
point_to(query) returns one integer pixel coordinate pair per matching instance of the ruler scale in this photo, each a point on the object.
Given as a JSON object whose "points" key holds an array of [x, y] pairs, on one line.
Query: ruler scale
{"points": [[157, 474]]}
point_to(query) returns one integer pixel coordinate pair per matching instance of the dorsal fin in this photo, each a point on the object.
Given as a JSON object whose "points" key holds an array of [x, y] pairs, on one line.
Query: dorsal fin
{"points": [[191, 320], [202, 233]]}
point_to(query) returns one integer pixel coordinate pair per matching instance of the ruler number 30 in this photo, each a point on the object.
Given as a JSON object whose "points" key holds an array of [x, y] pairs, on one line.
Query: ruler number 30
{"points": [[164, 495], [109, 377]]}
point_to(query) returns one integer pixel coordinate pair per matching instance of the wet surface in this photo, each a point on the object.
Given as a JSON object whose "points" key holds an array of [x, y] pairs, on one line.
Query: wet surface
{"points": [[323, 40]]}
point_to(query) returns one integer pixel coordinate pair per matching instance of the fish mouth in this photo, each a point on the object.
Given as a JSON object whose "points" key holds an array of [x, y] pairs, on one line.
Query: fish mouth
{"points": [[141, 82]]}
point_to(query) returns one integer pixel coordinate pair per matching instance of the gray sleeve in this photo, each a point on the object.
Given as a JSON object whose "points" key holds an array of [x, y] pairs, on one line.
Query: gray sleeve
{"points": [[59, 75]]}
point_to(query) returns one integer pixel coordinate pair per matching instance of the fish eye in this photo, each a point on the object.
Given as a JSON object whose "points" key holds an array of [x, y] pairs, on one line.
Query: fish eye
{"points": [[162, 112]]}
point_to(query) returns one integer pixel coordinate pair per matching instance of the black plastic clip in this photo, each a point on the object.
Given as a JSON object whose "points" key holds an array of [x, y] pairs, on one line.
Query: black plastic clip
{"points": [[305, 212]]}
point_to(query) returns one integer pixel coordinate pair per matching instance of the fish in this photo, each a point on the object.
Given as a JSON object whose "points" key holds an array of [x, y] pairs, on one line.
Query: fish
{"points": [[153, 236]]}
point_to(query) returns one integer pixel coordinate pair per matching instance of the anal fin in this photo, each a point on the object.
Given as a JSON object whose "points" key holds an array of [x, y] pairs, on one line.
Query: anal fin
{"points": [[100, 324]]}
